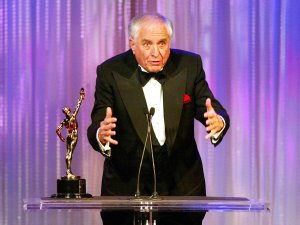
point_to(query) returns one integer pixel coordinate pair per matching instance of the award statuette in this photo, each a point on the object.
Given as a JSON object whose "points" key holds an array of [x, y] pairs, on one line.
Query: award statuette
{"points": [[71, 186]]}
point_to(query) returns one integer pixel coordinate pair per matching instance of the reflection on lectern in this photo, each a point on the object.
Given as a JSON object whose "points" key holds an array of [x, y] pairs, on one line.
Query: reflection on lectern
{"points": [[154, 218]]}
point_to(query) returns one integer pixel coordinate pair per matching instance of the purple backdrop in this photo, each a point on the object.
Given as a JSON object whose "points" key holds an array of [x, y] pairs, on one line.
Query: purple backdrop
{"points": [[251, 53]]}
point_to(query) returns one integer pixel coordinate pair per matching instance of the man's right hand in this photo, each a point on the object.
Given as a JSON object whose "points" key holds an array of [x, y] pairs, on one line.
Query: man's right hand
{"points": [[106, 128]]}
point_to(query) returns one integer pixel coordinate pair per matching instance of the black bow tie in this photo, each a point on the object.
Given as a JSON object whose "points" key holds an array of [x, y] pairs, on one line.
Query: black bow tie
{"points": [[145, 77]]}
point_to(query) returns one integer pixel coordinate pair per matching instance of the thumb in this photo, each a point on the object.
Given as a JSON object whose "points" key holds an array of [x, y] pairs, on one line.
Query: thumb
{"points": [[208, 105], [108, 112]]}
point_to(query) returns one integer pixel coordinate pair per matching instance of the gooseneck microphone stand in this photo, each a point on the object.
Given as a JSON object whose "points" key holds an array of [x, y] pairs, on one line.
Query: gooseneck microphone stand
{"points": [[149, 117], [148, 136]]}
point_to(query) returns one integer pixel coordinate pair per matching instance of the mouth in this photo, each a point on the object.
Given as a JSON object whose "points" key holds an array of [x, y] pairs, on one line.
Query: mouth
{"points": [[155, 63]]}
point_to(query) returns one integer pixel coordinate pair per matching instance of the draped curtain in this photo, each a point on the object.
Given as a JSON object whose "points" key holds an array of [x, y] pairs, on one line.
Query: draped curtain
{"points": [[251, 54]]}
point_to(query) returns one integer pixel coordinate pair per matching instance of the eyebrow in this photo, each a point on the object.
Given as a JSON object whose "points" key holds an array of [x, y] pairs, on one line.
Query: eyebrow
{"points": [[146, 40], [161, 40], [164, 39]]}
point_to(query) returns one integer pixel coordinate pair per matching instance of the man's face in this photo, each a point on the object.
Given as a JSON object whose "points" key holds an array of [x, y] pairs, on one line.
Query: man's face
{"points": [[151, 46]]}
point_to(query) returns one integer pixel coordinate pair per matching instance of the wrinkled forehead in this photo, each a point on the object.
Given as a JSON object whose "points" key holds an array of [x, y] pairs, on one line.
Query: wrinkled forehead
{"points": [[154, 27]]}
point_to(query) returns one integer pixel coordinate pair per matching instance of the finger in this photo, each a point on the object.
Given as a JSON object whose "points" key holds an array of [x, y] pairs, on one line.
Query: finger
{"points": [[208, 105], [210, 110], [209, 127], [215, 123], [108, 112], [109, 132], [212, 119], [109, 122], [110, 140], [208, 122], [105, 137], [211, 134], [210, 115], [212, 123]]}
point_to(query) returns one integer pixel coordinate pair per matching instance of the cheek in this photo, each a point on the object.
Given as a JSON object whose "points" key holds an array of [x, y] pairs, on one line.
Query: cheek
{"points": [[141, 56]]}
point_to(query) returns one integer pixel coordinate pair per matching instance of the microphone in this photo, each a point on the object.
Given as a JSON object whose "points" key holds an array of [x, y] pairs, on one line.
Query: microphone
{"points": [[148, 136], [151, 112]]}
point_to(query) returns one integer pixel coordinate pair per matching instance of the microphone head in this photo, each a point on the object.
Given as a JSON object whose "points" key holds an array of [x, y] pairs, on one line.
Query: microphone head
{"points": [[152, 111]]}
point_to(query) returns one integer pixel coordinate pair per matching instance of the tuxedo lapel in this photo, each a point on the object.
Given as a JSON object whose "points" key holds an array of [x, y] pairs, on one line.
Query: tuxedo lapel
{"points": [[173, 91], [133, 97]]}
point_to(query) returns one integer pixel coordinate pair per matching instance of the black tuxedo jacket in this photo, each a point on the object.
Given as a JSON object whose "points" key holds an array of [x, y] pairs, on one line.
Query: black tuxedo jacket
{"points": [[117, 86]]}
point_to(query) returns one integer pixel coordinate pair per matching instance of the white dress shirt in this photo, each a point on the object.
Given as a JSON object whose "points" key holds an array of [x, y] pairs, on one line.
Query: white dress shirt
{"points": [[154, 97]]}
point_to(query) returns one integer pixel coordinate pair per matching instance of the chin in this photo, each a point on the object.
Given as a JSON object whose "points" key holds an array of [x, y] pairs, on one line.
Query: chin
{"points": [[155, 69]]}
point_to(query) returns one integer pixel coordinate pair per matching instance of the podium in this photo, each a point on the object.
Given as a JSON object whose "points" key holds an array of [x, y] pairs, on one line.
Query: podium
{"points": [[146, 209]]}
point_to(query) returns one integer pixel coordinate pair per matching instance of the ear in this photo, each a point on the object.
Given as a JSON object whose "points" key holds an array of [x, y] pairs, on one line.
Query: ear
{"points": [[132, 45]]}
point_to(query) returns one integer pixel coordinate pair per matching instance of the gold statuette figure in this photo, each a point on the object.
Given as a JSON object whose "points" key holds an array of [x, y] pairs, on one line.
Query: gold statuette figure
{"points": [[70, 122]]}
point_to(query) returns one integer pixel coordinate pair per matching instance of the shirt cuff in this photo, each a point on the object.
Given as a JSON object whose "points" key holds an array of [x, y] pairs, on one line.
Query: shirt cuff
{"points": [[105, 149], [216, 136]]}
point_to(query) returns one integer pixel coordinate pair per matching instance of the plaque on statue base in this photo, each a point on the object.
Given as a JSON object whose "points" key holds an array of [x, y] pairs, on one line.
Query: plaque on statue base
{"points": [[71, 188]]}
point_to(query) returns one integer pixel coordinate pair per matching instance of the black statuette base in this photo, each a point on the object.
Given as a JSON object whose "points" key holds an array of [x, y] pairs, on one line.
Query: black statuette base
{"points": [[71, 189]]}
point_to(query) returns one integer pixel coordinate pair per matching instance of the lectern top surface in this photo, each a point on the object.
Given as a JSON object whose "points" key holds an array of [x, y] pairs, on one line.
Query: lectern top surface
{"points": [[162, 203]]}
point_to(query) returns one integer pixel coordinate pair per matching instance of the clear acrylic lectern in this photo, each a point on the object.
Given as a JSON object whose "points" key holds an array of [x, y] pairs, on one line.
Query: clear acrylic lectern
{"points": [[149, 207]]}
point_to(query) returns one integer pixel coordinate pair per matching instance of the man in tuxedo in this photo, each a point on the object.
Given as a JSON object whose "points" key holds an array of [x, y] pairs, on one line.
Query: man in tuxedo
{"points": [[172, 81]]}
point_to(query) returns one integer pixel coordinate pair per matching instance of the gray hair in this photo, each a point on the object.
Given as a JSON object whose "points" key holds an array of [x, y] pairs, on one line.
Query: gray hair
{"points": [[135, 24]]}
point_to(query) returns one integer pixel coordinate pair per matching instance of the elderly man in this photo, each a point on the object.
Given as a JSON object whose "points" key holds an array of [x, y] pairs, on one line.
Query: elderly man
{"points": [[172, 81]]}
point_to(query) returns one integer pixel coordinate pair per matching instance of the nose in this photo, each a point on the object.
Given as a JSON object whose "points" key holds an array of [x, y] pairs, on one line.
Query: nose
{"points": [[155, 51]]}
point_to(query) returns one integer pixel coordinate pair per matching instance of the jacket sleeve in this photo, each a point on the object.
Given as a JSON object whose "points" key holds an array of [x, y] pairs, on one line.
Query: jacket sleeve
{"points": [[103, 99], [202, 92]]}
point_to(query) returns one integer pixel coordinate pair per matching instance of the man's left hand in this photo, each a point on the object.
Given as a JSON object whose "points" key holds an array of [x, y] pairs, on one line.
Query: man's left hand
{"points": [[214, 123]]}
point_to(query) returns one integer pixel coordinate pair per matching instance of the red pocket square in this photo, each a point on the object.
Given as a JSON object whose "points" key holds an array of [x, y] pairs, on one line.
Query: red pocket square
{"points": [[186, 99]]}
